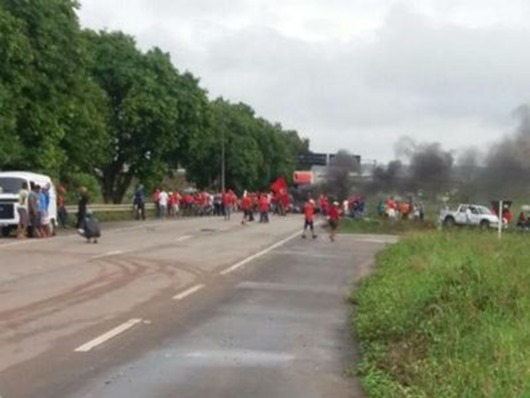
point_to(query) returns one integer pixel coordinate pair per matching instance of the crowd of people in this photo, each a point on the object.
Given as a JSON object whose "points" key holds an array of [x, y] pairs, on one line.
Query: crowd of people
{"points": [[201, 203], [405, 209], [33, 206], [252, 206]]}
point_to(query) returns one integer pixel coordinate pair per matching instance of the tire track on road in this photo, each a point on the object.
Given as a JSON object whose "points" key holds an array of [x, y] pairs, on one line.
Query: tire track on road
{"points": [[115, 274]]}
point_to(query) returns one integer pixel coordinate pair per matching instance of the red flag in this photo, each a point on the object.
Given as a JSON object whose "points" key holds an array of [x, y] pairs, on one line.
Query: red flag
{"points": [[279, 186]]}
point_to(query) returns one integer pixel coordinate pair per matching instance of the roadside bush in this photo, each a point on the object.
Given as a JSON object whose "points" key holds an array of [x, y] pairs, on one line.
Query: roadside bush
{"points": [[73, 182]]}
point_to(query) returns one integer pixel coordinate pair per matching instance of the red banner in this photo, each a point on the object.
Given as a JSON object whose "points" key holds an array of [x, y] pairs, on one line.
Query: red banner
{"points": [[303, 177]]}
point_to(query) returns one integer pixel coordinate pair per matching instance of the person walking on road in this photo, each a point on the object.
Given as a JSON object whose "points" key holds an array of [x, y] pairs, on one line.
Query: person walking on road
{"points": [[333, 220], [264, 209], [139, 202], [163, 201], [246, 206], [309, 218], [82, 207]]}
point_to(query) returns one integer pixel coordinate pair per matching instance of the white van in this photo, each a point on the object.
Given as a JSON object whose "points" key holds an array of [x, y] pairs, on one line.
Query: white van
{"points": [[10, 185]]}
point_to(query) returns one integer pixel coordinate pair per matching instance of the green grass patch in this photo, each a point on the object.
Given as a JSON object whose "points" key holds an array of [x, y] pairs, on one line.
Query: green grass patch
{"points": [[447, 315], [111, 216], [384, 226]]}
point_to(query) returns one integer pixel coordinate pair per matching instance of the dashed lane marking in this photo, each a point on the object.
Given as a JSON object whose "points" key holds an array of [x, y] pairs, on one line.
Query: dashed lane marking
{"points": [[183, 238], [109, 254], [189, 292], [244, 262], [108, 336]]}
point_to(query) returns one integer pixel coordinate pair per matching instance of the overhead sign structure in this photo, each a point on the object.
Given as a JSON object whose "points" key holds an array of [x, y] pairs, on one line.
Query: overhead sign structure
{"points": [[313, 159], [321, 159]]}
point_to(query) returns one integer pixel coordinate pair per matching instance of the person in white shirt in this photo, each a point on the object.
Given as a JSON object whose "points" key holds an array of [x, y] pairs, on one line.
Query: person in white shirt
{"points": [[22, 210], [163, 200]]}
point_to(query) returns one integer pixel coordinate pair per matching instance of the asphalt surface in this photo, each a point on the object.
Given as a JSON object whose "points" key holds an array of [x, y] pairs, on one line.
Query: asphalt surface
{"points": [[191, 308]]}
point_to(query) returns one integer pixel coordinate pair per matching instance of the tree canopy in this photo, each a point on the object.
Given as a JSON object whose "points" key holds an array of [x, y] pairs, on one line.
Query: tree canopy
{"points": [[78, 104]]}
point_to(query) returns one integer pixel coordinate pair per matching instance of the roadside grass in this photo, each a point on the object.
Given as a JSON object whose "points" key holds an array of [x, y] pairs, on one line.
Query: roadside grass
{"points": [[110, 216], [384, 226], [447, 315]]}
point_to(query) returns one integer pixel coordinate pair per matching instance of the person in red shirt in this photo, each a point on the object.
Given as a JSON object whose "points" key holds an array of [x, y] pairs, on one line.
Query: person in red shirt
{"points": [[507, 216], [62, 214], [227, 204], [246, 206], [309, 218], [156, 201], [263, 209], [334, 219]]}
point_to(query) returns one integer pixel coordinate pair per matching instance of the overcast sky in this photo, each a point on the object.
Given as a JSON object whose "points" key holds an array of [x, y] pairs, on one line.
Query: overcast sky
{"points": [[353, 74]]}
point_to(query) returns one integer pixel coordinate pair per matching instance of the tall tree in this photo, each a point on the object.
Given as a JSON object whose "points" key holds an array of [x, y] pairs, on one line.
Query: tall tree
{"points": [[15, 57], [48, 83], [155, 112], [256, 151]]}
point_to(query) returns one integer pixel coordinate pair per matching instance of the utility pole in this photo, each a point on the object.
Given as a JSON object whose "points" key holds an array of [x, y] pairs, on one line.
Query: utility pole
{"points": [[499, 227], [223, 187]]}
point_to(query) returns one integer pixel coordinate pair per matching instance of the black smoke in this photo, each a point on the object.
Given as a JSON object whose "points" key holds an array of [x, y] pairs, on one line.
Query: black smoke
{"points": [[500, 171], [339, 181], [507, 169], [426, 169], [386, 178]]}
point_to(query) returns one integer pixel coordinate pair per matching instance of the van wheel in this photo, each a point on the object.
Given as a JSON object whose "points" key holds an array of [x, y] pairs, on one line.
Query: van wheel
{"points": [[6, 231]]}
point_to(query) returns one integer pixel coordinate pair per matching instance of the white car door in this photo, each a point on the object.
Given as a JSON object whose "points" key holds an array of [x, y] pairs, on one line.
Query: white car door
{"points": [[475, 215], [461, 215]]}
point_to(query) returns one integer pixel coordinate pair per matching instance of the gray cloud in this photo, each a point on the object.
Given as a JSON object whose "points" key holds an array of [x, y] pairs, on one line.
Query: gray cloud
{"points": [[397, 70]]}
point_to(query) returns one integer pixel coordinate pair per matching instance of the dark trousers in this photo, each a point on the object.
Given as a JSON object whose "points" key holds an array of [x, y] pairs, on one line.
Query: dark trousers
{"points": [[62, 214], [140, 210]]}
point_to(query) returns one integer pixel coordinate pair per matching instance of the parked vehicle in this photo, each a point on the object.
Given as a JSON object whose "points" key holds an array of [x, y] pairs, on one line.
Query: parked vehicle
{"points": [[10, 185], [469, 215]]}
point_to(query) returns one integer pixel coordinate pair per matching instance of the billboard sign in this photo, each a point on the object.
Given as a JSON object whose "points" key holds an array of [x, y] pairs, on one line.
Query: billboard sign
{"points": [[303, 177]]}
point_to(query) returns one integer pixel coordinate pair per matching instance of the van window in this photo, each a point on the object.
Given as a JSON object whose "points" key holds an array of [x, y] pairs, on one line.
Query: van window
{"points": [[10, 184]]}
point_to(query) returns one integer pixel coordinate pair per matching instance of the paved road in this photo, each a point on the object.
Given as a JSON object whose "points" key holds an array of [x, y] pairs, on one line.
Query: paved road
{"points": [[192, 308]]}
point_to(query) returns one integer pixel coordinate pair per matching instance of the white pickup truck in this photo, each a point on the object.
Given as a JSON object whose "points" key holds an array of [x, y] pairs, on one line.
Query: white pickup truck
{"points": [[470, 215]]}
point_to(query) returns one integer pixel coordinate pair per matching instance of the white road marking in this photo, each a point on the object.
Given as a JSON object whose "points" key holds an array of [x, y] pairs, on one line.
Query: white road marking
{"points": [[108, 336], [189, 292], [240, 264], [183, 238], [109, 254]]}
